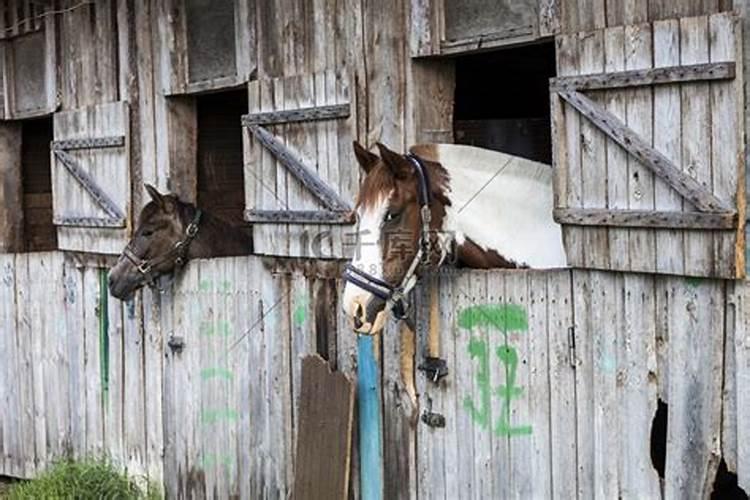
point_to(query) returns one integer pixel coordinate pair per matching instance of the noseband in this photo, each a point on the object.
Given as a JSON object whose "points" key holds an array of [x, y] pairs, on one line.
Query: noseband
{"points": [[395, 295], [177, 256]]}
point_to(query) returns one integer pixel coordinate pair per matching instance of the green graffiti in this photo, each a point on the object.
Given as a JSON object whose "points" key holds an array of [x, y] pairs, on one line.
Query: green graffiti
{"points": [[216, 372], [212, 460], [502, 317], [209, 328], [299, 315], [213, 416], [204, 285], [478, 349]]}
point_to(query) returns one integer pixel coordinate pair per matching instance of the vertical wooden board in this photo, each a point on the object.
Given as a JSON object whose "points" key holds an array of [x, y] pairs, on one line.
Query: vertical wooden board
{"points": [[94, 439], [326, 418], [400, 415], [56, 383], [568, 64], [10, 413], [252, 153], [25, 346], [133, 391], [638, 392], [729, 420], [346, 362], [11, 188], [583, 306], [639, 113], [484, 476], [155, 337], [727, 151], [346, 165], [209, 412], [668, 141], [538, 387], [605, 336], [464, 391], [513, 353], [695, 350], [696, 137], [617, 158], [562, 387], [114, 349], [436, 450], [302, 333], [593, 168], [296, 89], [740, 351], [73, 310], [36, 321]]}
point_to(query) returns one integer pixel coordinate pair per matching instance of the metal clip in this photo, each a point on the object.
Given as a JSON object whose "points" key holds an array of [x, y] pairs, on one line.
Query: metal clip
{"points": [[434, 420], [176, 343]]}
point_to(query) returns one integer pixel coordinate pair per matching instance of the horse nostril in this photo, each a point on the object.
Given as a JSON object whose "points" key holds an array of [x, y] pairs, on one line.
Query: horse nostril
{"points": [[358, 313], [357, 322]]}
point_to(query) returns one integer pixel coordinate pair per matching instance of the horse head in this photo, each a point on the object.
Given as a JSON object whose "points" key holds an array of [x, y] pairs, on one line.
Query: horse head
{"points": [[160, 245], [400, 208]]}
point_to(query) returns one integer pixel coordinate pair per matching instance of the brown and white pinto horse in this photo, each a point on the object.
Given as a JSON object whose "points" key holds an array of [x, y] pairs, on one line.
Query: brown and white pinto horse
{"points": [[480, 209]]}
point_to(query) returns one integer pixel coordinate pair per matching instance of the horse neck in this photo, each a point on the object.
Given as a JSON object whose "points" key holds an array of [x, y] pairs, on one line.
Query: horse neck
{"points": [[215, 237]]}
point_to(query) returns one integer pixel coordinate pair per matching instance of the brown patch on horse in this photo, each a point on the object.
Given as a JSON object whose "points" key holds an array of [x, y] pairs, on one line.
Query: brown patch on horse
{"points": [[473, 256]]}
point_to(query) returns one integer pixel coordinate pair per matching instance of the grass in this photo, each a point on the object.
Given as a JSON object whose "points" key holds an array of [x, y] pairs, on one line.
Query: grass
{"points": [[85, 479]]}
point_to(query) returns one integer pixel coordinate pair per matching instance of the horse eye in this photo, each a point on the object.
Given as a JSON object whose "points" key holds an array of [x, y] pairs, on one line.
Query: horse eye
{"points": [[390, 216], [147, 233]]}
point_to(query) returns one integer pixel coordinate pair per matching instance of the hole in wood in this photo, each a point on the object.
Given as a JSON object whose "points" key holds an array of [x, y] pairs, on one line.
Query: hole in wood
{"points": [[725, 485], [659, 438]]}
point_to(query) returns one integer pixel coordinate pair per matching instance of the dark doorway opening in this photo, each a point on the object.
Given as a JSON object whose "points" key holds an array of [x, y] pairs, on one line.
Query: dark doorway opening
{"points": [[220, 161], [39, 233], [502, 100]]}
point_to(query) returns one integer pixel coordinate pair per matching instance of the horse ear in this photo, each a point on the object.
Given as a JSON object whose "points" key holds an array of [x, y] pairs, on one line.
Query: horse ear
{"points": [[366, 159], [397, 164], [155, 195]]}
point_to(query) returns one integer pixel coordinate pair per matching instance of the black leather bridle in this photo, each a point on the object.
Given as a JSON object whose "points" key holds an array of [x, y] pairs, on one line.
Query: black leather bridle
{"points": [[177, 254], [395, 296]]}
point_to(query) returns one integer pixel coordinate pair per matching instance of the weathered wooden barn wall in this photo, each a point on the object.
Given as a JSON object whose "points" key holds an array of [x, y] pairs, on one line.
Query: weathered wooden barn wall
{"points": [[202, 387]]}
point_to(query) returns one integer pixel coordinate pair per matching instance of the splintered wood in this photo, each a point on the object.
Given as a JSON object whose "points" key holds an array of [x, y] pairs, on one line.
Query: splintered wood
{"points": [[326, 409]]}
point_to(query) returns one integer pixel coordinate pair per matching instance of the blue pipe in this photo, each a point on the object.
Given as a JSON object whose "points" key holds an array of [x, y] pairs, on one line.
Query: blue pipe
{"points": [[370, 423]]}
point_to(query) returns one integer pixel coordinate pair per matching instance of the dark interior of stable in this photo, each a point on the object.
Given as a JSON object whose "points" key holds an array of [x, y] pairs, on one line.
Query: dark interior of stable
{"points": [[39, 232], [220, 178], [502, 100]]}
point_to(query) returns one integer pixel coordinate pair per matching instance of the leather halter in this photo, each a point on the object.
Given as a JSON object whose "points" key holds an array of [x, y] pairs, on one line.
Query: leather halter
{"points": [[177, 255], [395, 295]]}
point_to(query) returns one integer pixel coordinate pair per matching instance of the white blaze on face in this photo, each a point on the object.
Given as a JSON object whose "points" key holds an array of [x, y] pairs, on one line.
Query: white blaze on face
{"points": [[368, 255]]}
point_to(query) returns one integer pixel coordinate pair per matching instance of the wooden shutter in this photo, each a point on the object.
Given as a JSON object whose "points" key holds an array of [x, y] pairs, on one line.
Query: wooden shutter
{"points": [[27, 55], [91, 178], [211, 43], [649, 149], [300, 174], [441, 27]]}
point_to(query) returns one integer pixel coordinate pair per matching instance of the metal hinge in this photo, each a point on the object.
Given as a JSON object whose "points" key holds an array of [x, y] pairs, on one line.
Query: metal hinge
{"points": [[572, 346]]}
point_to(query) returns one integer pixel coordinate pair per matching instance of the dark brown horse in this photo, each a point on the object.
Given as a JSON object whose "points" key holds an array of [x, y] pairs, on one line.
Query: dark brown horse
{"points": [[169, 233]]}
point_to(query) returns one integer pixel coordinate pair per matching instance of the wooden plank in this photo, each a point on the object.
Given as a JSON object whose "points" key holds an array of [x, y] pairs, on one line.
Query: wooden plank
{"points": [[593, 157], [641, 150], [312, 113], [101, 198], [568, 159], [617, 158], [11, 188], [645, 218], [642, 77], [696, 138], [667, 139], [113, 222], [739, 350], [325, 426], [562, 387], [695, 351], [727, 160]]}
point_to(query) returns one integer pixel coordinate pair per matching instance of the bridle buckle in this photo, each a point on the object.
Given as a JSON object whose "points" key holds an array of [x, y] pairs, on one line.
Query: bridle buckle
{"points": [[144, 267]]}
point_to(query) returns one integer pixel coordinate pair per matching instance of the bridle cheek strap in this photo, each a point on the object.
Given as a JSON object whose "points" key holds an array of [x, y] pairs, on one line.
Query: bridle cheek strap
{"points": [[177, 255], [396, 296]]}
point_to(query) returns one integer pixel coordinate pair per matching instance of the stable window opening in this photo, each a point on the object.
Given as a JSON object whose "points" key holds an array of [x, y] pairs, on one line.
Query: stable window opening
{"points": [[39, 232], [220, 156], [502, 101]]}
